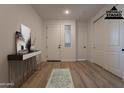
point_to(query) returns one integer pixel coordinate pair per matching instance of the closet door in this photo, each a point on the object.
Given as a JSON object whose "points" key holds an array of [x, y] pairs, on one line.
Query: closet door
{"points": [[122, 47], [107, 40]]}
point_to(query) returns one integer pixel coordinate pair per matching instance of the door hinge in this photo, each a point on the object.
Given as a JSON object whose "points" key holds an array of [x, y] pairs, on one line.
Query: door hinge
{"points": [[46, 37], [46, 46], [47, 56]]}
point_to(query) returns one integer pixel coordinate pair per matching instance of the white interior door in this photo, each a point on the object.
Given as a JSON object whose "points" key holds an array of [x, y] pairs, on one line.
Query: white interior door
{"points": [[81, 41], [122, 47], [53, 42], [107, 45]]}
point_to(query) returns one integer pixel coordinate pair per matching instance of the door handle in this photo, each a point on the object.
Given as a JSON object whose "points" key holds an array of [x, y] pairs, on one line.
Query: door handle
{"points": [[59, 46], [122, 49], [84, 46]]}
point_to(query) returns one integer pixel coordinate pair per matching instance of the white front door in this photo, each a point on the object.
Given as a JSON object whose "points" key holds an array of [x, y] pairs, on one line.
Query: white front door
{"points": [[61, 41], [53, 41]]}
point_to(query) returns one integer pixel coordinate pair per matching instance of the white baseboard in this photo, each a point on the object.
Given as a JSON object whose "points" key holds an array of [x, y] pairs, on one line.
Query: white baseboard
{"points": [[81, 59], [122, 78], [69, 60]]}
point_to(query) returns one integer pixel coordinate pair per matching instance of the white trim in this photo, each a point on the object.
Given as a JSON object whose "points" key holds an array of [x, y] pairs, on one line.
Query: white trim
{"points": [[68, 60], [81, 60], [123, 79]]}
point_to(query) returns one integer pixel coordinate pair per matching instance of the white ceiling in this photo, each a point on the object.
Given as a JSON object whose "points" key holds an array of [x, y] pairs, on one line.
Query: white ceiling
{"points": [[80, 12]]}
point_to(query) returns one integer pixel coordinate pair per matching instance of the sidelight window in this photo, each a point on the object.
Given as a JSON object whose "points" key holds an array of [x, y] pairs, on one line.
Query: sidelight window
{"points": [[67, 32]]}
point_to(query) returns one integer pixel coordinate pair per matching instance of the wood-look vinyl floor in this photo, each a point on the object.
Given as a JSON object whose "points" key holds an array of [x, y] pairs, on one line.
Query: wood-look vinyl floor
{"points": [[84, 75]]}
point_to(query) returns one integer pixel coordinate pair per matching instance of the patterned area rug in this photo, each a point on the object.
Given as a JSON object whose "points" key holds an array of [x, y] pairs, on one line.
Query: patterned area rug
{"points": [[60, 78]]}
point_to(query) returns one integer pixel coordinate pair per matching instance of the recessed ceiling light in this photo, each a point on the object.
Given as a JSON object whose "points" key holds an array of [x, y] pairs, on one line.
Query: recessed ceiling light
{"points": [[67, 12]]}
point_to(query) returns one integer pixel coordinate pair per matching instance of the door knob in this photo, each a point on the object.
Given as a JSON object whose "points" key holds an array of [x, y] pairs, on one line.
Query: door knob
{"points": [[122, 49], [59, 46]]}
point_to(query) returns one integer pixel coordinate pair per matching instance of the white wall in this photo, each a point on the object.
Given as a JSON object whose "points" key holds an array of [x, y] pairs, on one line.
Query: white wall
{"points": [[81, 32], [11, 16]]}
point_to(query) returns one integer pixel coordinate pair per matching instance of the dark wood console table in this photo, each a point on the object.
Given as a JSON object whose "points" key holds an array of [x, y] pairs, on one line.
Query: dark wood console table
{"points": [[21, 66]]}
